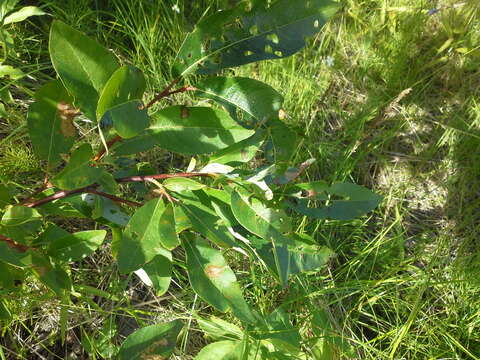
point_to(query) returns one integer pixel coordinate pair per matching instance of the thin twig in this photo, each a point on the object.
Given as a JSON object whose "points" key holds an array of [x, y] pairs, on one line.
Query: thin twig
{"points": [[88, 189], [161, 95], [115, 198], [109, 145]]}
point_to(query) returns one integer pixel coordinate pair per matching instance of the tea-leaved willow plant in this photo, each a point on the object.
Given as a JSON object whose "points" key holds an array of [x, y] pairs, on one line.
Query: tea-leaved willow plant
{"points": [[214, 206]]}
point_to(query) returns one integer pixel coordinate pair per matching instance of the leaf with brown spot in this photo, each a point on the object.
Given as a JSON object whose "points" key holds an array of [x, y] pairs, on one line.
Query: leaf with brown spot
{"points": [[155, 342], [213, 280], [50, 122]]}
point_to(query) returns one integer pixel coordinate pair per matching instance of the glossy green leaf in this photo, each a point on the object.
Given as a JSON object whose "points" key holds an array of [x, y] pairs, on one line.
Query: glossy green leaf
{"points": [[254, 97], [213, 280], [78, 173], [20, 222], [241, 152], [84, 66], [23, 14], [195, 130], [76, 246], [51, 132], [159, 270], [222, 350], [128, 119], [219, 329], [151, 342], [126, 84], [141, 240], [265, 224], [205, 221], [134, 145], [182, 184], [358, 201], [240, 36]]}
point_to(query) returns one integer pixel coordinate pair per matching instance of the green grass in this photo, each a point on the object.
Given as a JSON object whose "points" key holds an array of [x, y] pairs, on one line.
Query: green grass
{"points": [[386, 96]]}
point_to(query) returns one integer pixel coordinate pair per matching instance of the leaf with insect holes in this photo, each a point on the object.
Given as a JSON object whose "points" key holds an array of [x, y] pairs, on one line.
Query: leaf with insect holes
{"points": [[254, 97], [126, 84], [75, 247], [143, 236], [151, 342], [213, 280], [357, 202], [50, 127], [270, 30], [83, 65]]}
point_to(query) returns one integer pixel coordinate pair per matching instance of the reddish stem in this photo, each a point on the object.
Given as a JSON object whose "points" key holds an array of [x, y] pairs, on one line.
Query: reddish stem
{"points": [[165, 92], [13, 244], [109, 145], [115, 198], [92, 188]]}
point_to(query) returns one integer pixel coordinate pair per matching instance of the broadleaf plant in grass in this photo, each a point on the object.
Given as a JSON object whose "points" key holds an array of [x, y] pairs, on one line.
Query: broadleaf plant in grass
{"points": [[223, 202]]}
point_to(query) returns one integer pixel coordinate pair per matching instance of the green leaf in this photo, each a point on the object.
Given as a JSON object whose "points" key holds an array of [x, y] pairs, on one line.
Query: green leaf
{"points": [[254, 97], [265, 223], [205, 221], [11, 72], [219, 329], [169, 238], [52, 133], [182, 184], [84, 66], [53, 276], [159, 270], [240, 36], [126, 84], [128, 119], [6, 6], [358, 201], [5, 313], [278, 330], [78, 173], [241, 152], [150, 342], [284, 144], [76, 246], [222, 350], [5, 195], [23, 14], [195, 130], [13, 257], [213, 280], [20, 222], [141, 240], [182, 221]]}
